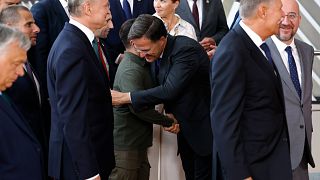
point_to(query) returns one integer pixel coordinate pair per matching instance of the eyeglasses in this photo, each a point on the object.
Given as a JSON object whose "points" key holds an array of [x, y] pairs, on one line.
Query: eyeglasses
{"points": [[291, 16]]}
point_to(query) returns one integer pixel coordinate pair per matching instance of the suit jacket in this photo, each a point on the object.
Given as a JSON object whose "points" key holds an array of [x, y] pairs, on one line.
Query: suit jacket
{"points": [[185, 91], [50, 16], [82, 116], [298, 112], [20, 151], [24, 95], [114, 43], [247, 112], [112, 67], [214, 22]]}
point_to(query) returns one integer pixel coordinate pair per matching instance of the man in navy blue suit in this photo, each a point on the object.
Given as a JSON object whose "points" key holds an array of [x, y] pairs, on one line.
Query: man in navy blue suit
{"points": [[81, 139], [20, 151], [247, 105], [31, 100]]}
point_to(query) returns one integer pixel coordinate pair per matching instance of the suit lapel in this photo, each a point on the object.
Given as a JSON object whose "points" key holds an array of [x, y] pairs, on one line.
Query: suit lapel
{"points": [[261, 60], [206, 9], [14, 114], [303, 66], [166, 61], [284, 74]]}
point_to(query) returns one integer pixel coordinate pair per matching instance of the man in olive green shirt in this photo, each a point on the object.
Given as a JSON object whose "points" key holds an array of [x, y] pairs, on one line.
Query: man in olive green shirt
{"points": [[133, 130]]}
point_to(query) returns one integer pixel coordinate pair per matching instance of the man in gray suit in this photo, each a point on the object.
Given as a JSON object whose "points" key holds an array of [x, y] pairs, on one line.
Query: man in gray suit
{"points": [[208, 19], [294, 60]]}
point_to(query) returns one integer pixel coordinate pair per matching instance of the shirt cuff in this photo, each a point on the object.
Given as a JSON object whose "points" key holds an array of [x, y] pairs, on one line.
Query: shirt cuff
{"points": [[93, 177]]}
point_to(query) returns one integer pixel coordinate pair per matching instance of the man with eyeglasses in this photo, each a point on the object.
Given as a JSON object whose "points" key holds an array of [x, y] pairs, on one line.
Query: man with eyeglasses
{"points": [[294, 60]]}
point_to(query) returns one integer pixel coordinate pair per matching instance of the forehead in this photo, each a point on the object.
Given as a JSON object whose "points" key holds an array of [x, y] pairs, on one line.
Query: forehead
{"points": [[25, 15], [12, 1], [290, 6]]}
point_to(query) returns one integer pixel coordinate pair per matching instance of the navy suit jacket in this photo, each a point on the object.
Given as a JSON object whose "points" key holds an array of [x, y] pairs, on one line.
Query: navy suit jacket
{"points": [[82, 115], [214, 22], [118, 18], [247, 112], [185, 91], [50, 16], [24, 95], [20, 151]]}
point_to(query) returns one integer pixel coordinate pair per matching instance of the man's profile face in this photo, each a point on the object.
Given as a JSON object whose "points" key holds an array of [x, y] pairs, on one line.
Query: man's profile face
{"points": [[27, 26], [274, 15], [104, 31], [6, 3], [148, 49], [100, 13], [12, 58]]}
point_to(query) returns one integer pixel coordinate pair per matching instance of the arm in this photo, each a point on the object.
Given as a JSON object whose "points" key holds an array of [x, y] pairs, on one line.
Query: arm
{"points": [[222, 26], [228, 85], [184, 65], [132, 80], [72, 101]]}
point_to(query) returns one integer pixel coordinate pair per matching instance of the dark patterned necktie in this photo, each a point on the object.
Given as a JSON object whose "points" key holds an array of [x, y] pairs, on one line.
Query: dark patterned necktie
{"points": [[195, 12], [127, 9], [293, 71]]}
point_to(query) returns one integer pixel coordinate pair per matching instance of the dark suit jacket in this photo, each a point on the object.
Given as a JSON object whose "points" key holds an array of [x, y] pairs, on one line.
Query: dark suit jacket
{"points": [[20, 151], [214, 23], [247, 112], [112, 67], [82, 116], [114, 43], [50, 16], [24, 95], [185, 91]]}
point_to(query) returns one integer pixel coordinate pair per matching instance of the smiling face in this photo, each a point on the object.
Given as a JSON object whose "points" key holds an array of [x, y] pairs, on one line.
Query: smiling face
{"points": [[12, 59], [27, 25], [148, 49], [165, 8], [290, 23]]}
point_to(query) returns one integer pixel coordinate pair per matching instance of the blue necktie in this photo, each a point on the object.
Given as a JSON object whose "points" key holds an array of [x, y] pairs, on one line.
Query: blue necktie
{"points": [[293, 71], [127, 9], [266, 50]]}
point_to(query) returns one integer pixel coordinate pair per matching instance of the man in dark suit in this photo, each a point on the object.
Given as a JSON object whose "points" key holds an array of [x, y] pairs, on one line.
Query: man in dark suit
{"points": [[20, 151], [137, 7], [294, 60], [30, 101], [81, 140], [208, 19], [247, 106], [182, 73]]}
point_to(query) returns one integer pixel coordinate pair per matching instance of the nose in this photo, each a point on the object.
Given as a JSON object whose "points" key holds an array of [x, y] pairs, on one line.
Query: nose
{"points": [[285, 20], [142, 54], [110, 25], [36, 28]]}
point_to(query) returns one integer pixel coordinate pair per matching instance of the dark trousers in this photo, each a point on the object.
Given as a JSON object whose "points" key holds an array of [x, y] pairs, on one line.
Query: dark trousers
{"points": [[195, 167]]}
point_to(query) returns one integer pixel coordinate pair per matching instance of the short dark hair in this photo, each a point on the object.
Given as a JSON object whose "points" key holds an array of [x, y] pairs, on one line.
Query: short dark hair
{"points": [[149, 26], [124, 31]]}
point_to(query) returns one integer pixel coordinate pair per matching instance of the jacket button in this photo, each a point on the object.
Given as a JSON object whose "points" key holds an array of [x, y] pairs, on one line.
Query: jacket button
{"points": [[285, 139], [301, 126]]}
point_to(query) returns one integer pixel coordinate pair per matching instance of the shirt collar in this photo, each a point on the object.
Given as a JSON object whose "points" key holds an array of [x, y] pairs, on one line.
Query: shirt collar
{"points": [[83, 28], [64, 3], [253, 36], [281, 45]]}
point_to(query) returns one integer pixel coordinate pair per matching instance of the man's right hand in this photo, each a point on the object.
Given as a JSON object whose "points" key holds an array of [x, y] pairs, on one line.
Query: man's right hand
{"points": [[120, 98]]}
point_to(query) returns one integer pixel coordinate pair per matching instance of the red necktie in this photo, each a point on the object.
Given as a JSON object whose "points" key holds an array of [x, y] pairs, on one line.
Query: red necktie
{"points": [[102, 58]]}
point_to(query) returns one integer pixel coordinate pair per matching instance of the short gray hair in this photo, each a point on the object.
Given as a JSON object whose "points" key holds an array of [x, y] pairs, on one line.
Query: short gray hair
{"points": [[74, 7], [11, 15], [9, 35], [248, 7]]}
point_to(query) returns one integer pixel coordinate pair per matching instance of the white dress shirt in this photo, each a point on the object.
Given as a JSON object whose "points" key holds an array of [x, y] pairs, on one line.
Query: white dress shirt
{"points": [[253, 36], [64, 4], [284, 55], [200, 9]]}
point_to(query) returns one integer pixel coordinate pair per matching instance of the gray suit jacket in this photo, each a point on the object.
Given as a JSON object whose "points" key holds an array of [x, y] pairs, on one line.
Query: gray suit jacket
{"points": [[214, 23], [298, 112]]}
